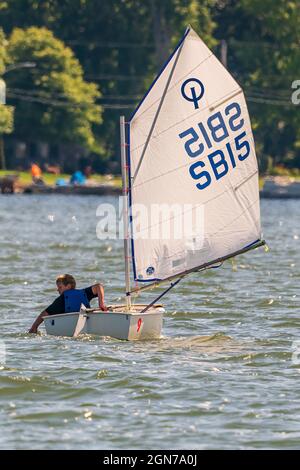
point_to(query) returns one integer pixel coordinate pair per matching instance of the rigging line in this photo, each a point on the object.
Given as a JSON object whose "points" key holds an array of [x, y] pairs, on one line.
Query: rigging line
{"points": [[270, 96], [111, 45], [38, 93], [117, 106], [33, 99], [65, 104], [237, 42], [116, 44], [261, 92], [264, 99], [271, 102], [115, 77], [238, 75], [161, 295], [174, 284], [157, 113], [268, 90]]}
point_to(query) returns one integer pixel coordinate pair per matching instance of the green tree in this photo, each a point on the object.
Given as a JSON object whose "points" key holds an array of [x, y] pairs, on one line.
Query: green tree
{"points": [[120, 44], [6, 112], [53, 101], [265, 57]]}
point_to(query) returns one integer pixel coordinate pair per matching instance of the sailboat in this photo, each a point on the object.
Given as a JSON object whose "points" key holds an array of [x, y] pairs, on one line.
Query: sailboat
{"points": [[188, 148]]}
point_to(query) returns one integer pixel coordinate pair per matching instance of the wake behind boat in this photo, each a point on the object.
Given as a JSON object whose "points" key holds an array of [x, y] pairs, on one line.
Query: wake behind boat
{"points": [[189, 143]]}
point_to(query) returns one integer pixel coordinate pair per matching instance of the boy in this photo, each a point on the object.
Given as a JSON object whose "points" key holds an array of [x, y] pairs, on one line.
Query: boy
{"points": [[70, 299]]}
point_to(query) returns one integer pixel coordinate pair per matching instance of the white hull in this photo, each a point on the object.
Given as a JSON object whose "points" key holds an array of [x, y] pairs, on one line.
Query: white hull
{"points": [[116, 323]]}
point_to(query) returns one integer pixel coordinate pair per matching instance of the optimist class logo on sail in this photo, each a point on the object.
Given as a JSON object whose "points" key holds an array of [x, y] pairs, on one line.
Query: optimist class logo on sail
{"points": [[225, 125], [192, 90]]}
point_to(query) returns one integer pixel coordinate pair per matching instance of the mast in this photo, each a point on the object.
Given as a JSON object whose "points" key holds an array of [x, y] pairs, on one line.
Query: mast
{"points": [[124, 168]]}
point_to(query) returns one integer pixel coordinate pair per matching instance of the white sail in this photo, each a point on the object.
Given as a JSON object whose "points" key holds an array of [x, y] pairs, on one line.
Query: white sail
{"points": [[191, 144]]}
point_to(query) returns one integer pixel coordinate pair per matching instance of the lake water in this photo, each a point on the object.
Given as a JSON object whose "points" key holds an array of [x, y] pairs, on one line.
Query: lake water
{"points": [[225, 374]]}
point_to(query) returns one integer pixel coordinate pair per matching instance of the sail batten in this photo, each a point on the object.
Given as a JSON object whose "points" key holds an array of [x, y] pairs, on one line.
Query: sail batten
{"points": [[215, 105], [194, 195]]}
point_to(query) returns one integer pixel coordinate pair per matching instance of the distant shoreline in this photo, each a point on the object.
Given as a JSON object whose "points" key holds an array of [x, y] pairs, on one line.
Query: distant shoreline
{"points": [[101, 190], [271, 187], [21, 182]]}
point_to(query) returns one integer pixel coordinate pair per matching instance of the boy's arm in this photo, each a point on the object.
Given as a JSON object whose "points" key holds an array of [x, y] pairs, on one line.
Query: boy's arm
{"points": [[38, 321], [99, 291]]}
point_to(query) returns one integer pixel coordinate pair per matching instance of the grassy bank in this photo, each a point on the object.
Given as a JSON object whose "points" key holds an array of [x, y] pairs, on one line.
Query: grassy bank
{"points": [[50, 179], [24, 178]]}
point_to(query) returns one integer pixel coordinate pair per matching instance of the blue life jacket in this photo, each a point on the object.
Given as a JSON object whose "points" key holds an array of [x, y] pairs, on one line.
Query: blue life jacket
{"points": [[74, 298]]}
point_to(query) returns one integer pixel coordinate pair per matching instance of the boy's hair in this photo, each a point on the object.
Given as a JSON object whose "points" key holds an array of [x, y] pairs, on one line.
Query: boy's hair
{"points": [[66, 279]]}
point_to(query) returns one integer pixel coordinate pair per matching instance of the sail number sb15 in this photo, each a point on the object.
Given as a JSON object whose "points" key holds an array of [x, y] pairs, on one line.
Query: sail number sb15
{"points": [[218, 128]]}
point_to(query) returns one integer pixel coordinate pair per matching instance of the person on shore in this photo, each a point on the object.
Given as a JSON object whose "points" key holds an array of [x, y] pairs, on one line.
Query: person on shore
{"points": [[36, 174], [78, 178], [70, 299], [88, 171]]}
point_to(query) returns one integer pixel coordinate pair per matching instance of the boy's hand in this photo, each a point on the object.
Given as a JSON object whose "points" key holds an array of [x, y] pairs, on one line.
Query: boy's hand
{"points": [[103, 308], [32, 330]]}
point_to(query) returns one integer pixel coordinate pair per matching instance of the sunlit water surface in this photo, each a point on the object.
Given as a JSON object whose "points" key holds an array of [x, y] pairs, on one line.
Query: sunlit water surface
{"points": [[225, 374]]}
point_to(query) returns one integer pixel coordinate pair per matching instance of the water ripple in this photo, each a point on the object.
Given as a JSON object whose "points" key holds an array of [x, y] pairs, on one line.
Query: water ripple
{"points": [[225, 374]]}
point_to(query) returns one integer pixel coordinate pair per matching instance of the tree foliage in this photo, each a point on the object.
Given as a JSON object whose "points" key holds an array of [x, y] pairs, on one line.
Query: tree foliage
{"points": [[57, 103], [264, 54], [2, 51], [6, 112], [121, 45], [6, 119]]}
